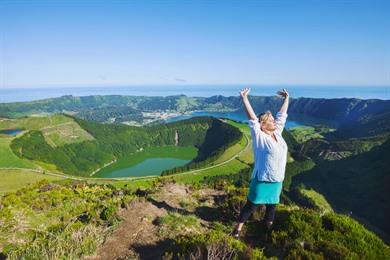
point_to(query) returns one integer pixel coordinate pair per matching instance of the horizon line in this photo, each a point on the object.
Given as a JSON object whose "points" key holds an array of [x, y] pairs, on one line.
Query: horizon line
{"points": [[192, 84], [189, 96]]}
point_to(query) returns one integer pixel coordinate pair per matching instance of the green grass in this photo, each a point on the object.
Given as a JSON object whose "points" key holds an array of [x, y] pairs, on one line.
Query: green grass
{"points": [[65, 133], [231, 167], [16, 172], [233, 150], [52, 221], [243, 127], [189, 203], [247, 155], [318, 199], [13, 179], [57, 129], [131, 185], [8, 159], [69, 220], [304, 133], [216, 243], [305, 234], [358, 183], [175, 224], [34, 123]]}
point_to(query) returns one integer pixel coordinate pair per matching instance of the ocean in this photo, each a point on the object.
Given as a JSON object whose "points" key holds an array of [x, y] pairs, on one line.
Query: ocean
{"points": [[28, 94]]}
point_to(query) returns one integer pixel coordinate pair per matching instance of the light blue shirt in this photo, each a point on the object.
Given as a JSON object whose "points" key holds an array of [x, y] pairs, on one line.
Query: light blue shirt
{"points": [[270, 156]]}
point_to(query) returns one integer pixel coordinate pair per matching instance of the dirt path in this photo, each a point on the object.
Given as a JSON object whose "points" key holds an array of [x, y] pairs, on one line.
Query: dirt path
{"points": [[138, 237], [136, 231]]}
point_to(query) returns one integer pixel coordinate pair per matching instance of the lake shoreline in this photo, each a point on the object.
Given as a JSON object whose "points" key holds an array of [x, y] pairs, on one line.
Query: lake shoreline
{"points": [[150, 159]]}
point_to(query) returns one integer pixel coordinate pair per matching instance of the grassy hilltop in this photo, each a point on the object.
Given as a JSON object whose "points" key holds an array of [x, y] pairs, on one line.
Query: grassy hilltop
{"points": [[189, 214]]}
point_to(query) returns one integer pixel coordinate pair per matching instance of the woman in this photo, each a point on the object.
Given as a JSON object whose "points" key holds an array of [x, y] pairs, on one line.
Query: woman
{"points": [[270, 155]]}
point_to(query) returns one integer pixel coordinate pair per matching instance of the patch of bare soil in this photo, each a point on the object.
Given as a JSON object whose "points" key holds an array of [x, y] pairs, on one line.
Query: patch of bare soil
{"points": [[137, 236]]}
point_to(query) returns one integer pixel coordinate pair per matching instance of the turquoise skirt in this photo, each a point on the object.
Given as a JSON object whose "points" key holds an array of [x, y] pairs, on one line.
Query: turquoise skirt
{"points": [[261, 192]]}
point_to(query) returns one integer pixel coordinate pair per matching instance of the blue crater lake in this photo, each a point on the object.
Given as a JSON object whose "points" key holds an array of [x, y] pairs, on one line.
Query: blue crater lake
{"points": [[293, 120], [11, 132]]}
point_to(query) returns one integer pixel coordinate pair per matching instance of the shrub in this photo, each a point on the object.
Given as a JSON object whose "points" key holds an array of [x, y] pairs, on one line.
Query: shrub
{"points": [[214, 245], [175, 224], [65, 220]]}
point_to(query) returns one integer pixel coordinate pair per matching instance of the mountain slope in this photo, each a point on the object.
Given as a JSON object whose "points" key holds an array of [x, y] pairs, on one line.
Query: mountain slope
{"points": [[88, 221], [358, 183], [364, 117], [112, 142]]}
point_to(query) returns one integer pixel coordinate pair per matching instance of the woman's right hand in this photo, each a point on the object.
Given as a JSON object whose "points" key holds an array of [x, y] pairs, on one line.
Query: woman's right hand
{"points": [[244, 92]]}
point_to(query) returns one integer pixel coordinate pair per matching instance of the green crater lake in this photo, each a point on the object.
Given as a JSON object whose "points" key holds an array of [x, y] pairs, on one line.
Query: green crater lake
{"points": [[149, 162]]}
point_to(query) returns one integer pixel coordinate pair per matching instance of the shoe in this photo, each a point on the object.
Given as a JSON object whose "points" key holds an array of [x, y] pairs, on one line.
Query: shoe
{"points": [[236, 234]]}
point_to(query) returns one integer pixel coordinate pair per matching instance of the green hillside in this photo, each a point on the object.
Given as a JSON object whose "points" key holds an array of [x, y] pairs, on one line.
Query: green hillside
{"points": [[75, 220], [357, 184], [8, 159], [224, 164], [189, 225], [104, 143], [57, 130], [13, 179], [354, 117]]}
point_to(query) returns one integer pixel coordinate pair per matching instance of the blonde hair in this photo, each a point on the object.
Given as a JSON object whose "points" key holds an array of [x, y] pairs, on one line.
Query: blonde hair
{"points": [[263, 117]]}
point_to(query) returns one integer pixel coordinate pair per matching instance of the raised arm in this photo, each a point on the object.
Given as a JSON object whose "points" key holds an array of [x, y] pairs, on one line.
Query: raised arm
{"points": [[247, 105], [281, 116], [253, 122], [284, 107]]}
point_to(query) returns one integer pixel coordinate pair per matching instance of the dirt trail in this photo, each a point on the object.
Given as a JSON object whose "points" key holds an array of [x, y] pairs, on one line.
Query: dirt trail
{"points": [[137, 236]]}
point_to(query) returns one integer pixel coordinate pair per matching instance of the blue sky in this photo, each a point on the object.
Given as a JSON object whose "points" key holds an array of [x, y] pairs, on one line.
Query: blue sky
{"points": [[56, 43]]}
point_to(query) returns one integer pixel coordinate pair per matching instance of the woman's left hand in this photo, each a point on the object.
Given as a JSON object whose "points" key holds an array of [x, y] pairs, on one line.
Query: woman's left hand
{"points": [[283, 93]]}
